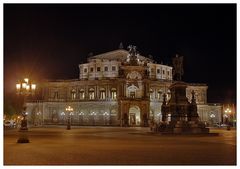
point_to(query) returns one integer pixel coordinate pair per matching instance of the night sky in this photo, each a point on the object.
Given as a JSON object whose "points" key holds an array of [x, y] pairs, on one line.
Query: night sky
{"points": [[49, 41]]}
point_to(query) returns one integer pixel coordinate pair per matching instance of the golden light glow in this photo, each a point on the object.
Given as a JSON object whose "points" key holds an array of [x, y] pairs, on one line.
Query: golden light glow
{"points": [[26, 80], [33, 87], [69, 108], [228, 110], [27, 87], [24, 85], [18, 86]]}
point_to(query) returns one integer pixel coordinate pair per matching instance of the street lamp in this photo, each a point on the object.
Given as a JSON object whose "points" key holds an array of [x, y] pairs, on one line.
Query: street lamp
{"points": [[24, 88], [38, 118], [63, 117], [212, 116], [93, 114], [69, 109], [227, 114], [105, 115], [80, 115]]}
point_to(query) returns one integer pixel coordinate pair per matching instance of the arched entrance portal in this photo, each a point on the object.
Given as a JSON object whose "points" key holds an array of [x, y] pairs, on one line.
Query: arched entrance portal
{"points": [[134, 116]]}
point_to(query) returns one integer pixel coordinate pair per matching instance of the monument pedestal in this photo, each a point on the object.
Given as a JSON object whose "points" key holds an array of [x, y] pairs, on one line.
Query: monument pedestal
{"points": [[190, 127], [184, 116]]}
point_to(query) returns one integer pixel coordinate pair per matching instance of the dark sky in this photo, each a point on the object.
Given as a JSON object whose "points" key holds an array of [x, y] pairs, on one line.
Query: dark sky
{"points": [[45, 41]]}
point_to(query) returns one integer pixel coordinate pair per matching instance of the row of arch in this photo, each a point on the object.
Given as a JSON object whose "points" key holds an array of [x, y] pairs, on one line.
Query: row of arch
{"points": [[91, 94]]}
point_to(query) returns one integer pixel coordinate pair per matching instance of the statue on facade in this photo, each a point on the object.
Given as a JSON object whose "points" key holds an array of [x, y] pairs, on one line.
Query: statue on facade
{"points": [[150, 57], [120, 46], [193, 101], [133, 55], [90, 54], [177, 67]]}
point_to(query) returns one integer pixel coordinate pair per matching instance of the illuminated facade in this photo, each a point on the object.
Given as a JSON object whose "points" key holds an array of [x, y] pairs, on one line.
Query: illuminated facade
{"points": [[112, 87]]}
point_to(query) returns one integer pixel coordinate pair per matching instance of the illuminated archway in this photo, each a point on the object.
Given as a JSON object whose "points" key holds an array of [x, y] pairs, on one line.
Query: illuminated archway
{"points": [[134, 116]]}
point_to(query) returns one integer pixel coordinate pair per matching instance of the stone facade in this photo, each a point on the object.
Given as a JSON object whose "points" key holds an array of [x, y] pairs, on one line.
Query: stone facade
{"points": [[118, 88]]}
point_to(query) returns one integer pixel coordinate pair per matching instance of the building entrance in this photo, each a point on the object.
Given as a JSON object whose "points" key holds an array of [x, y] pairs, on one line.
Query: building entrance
{"points": [[134, 116]]}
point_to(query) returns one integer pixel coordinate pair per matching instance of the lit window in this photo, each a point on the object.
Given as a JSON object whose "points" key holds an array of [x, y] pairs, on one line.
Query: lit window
{"points": [[98, 69], [151, 93], [113, 68], [169, 117], [105, 68], [159, 95], [73, 94], [113, 93], [55, 96], [132, 94], [91, 94], [102, 93], [168, 94], [81, 94]]}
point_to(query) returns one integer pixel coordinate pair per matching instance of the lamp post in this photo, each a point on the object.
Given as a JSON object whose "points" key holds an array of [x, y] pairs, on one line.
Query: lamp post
{"points": [[69, 109], [93, 114], [24, 88], [226, 118], [228, 115], [105, 116], [62, 117], [38, 119], [212, 116], [80, 115]]}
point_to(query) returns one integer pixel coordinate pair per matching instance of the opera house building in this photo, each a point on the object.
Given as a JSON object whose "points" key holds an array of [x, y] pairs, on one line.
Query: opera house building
{"points": [[113, 86]]}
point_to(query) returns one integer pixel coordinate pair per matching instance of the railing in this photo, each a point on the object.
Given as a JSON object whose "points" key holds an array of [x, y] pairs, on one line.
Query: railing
{"points": [[78, 100]]}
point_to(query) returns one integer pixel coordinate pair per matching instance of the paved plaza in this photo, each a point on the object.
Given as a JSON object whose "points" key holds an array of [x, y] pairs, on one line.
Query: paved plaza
{"points": [[118, 146]]}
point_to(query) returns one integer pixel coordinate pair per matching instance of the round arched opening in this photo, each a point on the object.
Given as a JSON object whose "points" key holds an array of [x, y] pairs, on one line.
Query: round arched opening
{"points": [[134, 116]]}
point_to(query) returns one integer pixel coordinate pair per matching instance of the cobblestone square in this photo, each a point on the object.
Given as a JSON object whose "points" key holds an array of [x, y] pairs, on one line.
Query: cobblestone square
{"points": [[118, 146]]}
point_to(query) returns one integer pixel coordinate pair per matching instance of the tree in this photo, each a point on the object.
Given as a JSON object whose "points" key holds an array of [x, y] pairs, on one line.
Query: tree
{"points": [[12, 105]]}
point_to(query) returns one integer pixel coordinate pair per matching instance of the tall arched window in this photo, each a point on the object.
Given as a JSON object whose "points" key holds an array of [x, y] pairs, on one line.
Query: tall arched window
{"points": [[159, 94], [55, 95], [91, 94], [102, 93], [151, 93], [168, 95], [73, 94], [114, 93], [81, 94]]}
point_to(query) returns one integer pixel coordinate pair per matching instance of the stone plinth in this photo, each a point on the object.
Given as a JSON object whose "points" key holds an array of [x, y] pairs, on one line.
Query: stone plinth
{"points": [[184, 116], [190, 127]]}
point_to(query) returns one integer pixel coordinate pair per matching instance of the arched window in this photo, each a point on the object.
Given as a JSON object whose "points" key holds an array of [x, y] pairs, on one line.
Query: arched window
{"points": [[151, 93], [102, 93], [159, 94], [55, 95], [168, 95], [81, 94], [114, 93], [91, 94], [132, 91], [73, 94]]}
